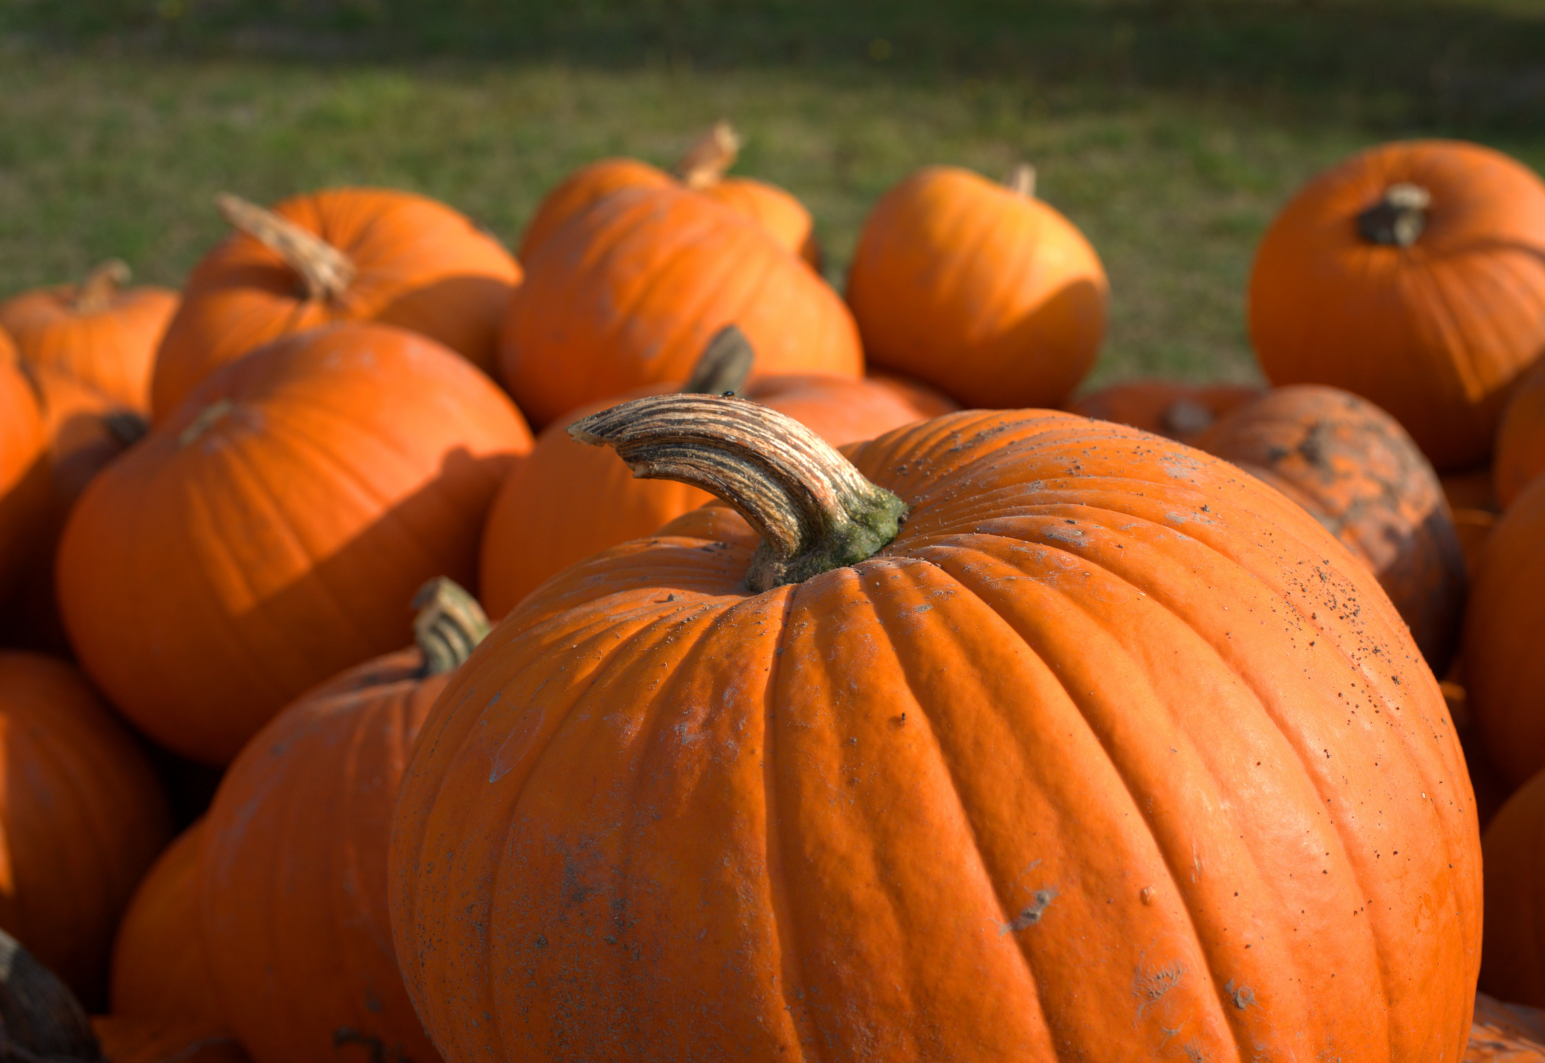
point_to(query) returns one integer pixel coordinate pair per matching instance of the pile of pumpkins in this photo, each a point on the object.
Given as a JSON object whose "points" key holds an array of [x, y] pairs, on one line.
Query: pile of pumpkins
{"points": [[851, 690]]}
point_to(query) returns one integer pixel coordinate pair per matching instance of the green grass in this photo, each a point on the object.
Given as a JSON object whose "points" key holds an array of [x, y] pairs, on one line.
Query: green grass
{"points": [[1169, 131]]}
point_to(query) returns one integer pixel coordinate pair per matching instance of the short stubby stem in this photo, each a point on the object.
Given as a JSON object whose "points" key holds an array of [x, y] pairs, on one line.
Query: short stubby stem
{"points": [[709, 159], [812, 508], [1021, 180], [1398, 219], [97, 292], [448, 626], [724, 365]]}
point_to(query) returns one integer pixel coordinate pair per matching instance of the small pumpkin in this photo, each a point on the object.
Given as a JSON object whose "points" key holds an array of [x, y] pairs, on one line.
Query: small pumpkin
{"points": [[1095, 728], [98, 332], [701, 169], [1513, 949], [979, 289], [1358, 473], [1521, 436], [341, 255], [296, 921], [1506, 1033], [81, 819], [266, 534], [1182, 412], [626, 294], [1412, 274]]}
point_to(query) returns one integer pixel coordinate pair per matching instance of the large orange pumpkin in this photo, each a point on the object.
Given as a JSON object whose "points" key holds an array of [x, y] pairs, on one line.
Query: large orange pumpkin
{"points": [[1352, 466], [266, 535], [568, 501], [1503, 625], [102, 335], [1513, 953], [701, 169], [296, 920], [1413, 274], [1182, 412], [1521, 436], [160, 971], [980, 289], [1111, 753], [81, 819], [347, 254], [627, 293], [24, 487]]}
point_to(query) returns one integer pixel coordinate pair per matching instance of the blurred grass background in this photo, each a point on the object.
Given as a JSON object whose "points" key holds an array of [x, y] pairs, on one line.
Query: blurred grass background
{"points": [[1170, 131]]}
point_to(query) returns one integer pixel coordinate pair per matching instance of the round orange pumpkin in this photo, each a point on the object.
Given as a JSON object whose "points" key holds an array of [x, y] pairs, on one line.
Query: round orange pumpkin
{"points": [[24, 487], [627, 293], [1513, 951], [346, 254], [980, 289], [160, 971], [1413, 274], [1504, 621], [100, 334], [1521, 436], [1110, 747], [266, 535], [295, 920], [1182, 412], [81, 819], [1356, 471]]}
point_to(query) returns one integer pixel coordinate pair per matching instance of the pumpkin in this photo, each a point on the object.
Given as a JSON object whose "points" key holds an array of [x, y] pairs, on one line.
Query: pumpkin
{"points": [[296, 921], [81, 819], [266, 535], [982, 290], [160, 971], [1506, 1033], [701, 169], [1513, 949], [1181, 412], [627, 293], [568, 501], [342, 255], [134, 1040], [1504, 618], [1110, 747], [1355, 469], [1412, 274], [24, 488], [97, 332], [1521, 436]]}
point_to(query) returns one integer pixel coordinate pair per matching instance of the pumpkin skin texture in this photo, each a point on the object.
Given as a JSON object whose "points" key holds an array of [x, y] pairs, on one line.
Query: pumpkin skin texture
{"points": [[1354, 468], [160, 971], [1513, 952], [266, 535], [627, 293], [991, 296], [1506, 1033], [1177, 411], [1434, 332], [581, 190], [568, 501], [296, 922], [420, 266], [987, 795], [106, 339], [24, 488], [81, 819], [783, 217], [1504, 621], [1521, 436], [133, 1040]]}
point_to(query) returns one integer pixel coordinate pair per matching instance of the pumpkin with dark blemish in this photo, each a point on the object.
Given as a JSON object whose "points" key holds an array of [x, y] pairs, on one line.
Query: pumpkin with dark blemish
{"points": [[655, 748]]}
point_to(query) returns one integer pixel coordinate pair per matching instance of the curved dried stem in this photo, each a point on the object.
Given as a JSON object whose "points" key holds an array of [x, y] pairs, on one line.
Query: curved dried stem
{"points": [[325, 271]]}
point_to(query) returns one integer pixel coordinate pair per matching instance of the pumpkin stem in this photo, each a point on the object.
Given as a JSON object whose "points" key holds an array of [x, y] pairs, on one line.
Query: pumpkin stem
{"points": [[40, 1019], [95, 293], [707, 160], [724, 364], [1021, 180], [1398, 219], [449, 625], [204, 421], [326, 271], [812, 508], [126, 426]]}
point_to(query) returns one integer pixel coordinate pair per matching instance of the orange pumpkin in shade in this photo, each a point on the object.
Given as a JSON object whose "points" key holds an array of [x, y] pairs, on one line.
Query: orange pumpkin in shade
{"points": [[347, 254], [160, 971], [701, 169], [1520, 454], [131, 1040], [568, 501], [1182, 412], [1513, 953], [266, 535], [1109, 753], [980, 289], [1413, 274], [627, 293], [81, 819], [1504, 620], [24, 487], [296, 921], [1506, 1033], [1356, 471], [97, 332]]}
